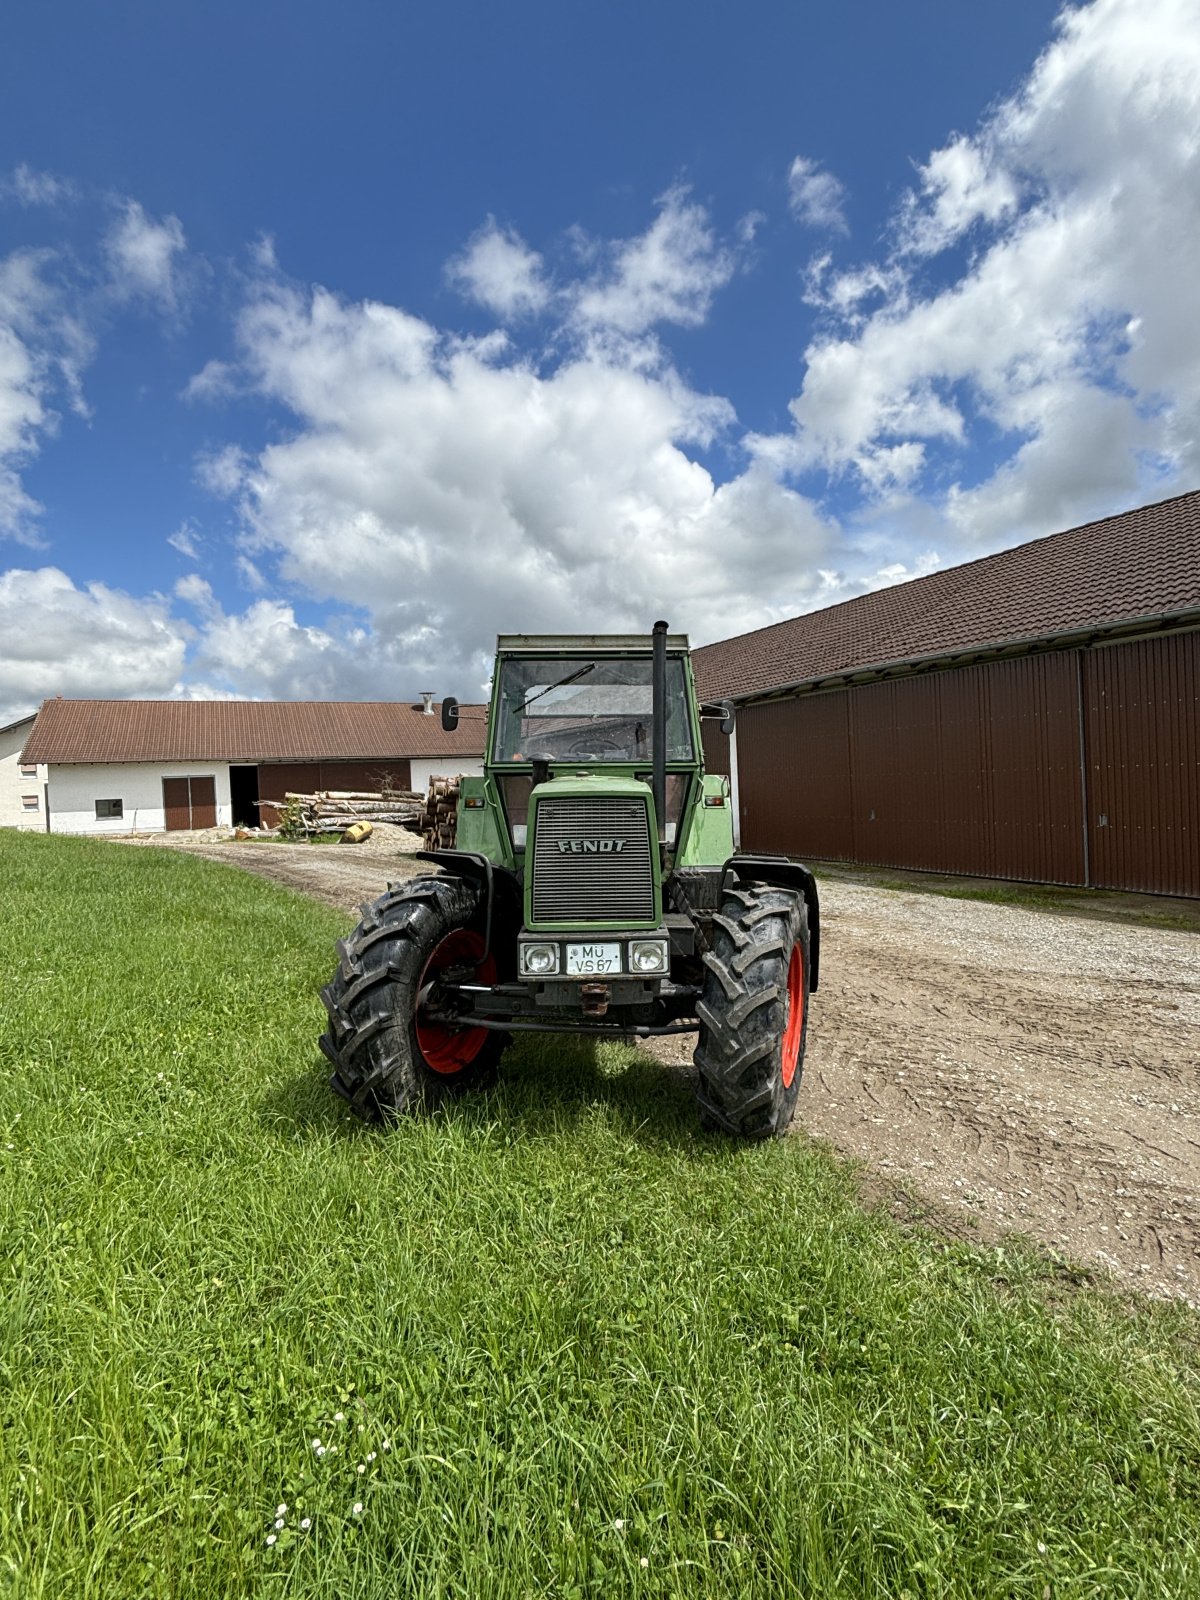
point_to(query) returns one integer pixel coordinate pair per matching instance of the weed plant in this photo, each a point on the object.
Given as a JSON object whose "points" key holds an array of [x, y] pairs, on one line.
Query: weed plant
{"points": [[554, 1342]]}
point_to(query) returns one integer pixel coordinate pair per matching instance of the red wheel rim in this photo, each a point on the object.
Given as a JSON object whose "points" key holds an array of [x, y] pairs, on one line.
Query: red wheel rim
{"points": [[450, 1050], [793, 1027]]}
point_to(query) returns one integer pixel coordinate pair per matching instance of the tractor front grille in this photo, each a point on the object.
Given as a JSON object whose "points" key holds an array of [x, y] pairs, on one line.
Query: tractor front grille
{"points": [[579, 873]]}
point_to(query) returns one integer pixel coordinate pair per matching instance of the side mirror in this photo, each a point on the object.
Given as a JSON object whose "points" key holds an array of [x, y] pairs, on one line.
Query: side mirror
{"points": [[730, 717], [449, 713]]}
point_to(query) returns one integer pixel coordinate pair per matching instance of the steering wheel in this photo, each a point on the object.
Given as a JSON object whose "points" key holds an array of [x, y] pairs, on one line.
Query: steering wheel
{"points": [[596, 745]]}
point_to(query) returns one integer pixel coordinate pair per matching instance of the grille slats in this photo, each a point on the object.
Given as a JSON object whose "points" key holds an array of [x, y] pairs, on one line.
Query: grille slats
{"points": [[615, 886]]}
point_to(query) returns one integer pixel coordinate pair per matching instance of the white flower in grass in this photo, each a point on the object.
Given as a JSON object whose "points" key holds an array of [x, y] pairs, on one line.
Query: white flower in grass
{"points": [[339, 1416], [279, 1522], [316, 1444], [387, 1444], [370, 1455], [305, 1523], [270, 1538], [644, 1562], [619, 1524], [361, 1467], [281, 1510], [357, 1508]]}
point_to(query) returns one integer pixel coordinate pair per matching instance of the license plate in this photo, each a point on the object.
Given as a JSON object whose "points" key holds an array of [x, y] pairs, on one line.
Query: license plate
{"points": [[585, 959]]}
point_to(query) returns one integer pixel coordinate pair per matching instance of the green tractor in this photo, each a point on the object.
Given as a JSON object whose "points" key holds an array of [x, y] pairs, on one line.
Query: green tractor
{"points": [[594, 889]]}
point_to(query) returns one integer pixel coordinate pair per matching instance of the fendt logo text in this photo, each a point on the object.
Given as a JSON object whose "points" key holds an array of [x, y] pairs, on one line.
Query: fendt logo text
{"points": [[591, 847]]}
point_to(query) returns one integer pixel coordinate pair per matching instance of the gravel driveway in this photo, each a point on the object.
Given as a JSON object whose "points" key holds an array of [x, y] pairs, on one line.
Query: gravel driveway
{"points": [[1031, 1070]]}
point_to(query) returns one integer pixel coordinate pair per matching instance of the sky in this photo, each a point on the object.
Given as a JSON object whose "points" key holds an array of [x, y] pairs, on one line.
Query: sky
{"points": [[336, 340]]}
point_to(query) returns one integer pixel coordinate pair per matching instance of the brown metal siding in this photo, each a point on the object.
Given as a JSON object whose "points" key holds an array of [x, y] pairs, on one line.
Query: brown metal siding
{"points": [[794, 777], [716, 746], [1142, 709], [973, 770], [277, 778]]}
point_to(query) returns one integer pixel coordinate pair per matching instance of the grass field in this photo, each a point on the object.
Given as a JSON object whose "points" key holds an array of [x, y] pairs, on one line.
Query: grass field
{"points": [[555, 1342]]}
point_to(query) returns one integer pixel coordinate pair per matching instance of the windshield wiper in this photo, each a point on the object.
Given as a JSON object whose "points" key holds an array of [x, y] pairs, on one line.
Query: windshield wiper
{"points": [[562, 682]]}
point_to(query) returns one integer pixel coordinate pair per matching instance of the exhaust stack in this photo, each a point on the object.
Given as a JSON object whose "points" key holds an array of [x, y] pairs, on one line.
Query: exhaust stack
{"points": [[658, 708]]}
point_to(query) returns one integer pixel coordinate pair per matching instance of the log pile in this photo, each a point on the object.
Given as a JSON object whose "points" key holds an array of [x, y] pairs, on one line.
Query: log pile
{"points": [[333, 810], [439, 819]]}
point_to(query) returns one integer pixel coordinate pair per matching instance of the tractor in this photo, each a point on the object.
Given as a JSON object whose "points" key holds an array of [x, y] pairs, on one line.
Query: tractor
{"points": [[593, 888]]}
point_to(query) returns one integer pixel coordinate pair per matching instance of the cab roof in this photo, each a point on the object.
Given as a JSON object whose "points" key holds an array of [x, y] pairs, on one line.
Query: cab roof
{"points": [[616, 644]]}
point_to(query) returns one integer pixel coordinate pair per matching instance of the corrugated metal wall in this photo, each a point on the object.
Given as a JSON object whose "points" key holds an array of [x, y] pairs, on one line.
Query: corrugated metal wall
{"points": [[984, 769], [1142, 719]]}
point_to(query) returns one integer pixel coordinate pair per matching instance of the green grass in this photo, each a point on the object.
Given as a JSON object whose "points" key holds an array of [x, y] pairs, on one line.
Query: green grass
{"points": [[578, 1348]]}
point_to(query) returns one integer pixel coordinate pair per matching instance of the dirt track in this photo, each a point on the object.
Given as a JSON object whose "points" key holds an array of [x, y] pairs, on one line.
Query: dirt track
{"points": [[1028, 1069]]}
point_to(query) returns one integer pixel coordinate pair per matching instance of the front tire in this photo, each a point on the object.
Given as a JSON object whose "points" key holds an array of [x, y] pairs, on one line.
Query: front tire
{"points": [[387, 1060], [753, 1012]]}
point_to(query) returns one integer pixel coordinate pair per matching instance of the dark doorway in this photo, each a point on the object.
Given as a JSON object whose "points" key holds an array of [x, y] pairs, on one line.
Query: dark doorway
{"points": [[243, 792]]}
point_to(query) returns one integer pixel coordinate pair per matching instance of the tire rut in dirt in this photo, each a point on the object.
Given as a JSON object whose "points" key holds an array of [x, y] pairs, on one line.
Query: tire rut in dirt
{"points": [[748, 1078], [372, 1040]]}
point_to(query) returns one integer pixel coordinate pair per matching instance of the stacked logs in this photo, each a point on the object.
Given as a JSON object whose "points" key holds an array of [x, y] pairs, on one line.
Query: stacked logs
{"points": [[439, 819], [332, 810]]}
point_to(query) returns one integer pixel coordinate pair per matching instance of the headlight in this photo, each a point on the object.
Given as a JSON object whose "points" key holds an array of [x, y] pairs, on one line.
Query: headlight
{"points": [[648, 955], [539, 959]]}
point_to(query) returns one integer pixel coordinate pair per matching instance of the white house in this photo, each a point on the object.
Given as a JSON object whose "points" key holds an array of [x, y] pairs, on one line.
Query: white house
{"points": [[22, 783], [121, 766]]}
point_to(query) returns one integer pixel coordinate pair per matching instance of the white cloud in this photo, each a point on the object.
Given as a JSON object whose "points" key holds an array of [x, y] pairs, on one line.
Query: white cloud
{"points": [[670, 273], [815, 196], [565, 500], [32, 188], [91, 641], [501, 272], [1072, 334], [43, 350], [186, 540], [146, 257]]}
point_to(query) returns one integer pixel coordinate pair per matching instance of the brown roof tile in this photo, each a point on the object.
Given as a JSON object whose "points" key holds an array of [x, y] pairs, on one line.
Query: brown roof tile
{"points": [[68, 731], [1142, 563]]}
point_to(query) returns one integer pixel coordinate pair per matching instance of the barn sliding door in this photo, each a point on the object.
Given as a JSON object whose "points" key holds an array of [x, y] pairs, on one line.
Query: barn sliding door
{"points": [[190, 803]]}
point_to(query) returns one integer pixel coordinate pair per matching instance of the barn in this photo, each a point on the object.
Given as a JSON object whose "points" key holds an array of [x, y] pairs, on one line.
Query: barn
{"points": [[1032, 715], [151, 765]]}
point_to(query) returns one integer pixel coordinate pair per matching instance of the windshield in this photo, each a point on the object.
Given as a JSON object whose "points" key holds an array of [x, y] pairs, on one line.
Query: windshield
{"points": [[586, 709]]}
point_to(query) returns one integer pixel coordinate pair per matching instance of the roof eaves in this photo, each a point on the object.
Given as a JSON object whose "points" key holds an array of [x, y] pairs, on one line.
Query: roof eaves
{"points": [[964, 654]]}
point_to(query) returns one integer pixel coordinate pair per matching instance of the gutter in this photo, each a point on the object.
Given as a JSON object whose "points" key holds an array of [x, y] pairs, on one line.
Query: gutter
{"points": [[1095, 633]]}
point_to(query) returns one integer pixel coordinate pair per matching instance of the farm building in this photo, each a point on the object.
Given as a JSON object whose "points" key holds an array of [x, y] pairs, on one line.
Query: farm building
{"points": [[22, 783], [150, 765], [1032, 715]]}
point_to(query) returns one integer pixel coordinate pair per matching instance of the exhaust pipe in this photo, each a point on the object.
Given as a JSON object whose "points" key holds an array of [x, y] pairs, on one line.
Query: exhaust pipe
{"points": [[658, 712]]}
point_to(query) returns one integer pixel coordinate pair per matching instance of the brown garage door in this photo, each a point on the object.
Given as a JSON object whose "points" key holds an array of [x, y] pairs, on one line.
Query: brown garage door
{"points": [[190, 802]]}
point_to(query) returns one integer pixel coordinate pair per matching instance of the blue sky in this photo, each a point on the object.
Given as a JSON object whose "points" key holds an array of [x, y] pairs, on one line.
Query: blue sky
{"points": [[334, 341]]}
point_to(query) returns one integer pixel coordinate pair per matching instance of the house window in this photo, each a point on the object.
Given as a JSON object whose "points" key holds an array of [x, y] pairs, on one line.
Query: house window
{"points": [[29, 802], [28, 771], [109, 808]]}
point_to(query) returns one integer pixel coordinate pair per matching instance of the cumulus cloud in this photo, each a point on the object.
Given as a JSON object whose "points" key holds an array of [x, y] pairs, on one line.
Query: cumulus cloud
{"points": [[60, 638], [815, 196], [499, 271], [669, 273], [1071, 333], [521, 499], [146, 257], [44, 348]]}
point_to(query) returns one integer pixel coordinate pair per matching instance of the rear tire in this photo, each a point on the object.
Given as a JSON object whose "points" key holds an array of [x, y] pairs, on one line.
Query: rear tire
{"points": [[753, 1012], [386, 1061]]}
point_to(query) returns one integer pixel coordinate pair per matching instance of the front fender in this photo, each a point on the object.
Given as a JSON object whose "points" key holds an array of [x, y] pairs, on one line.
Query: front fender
{"points": [[788, 874]]}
